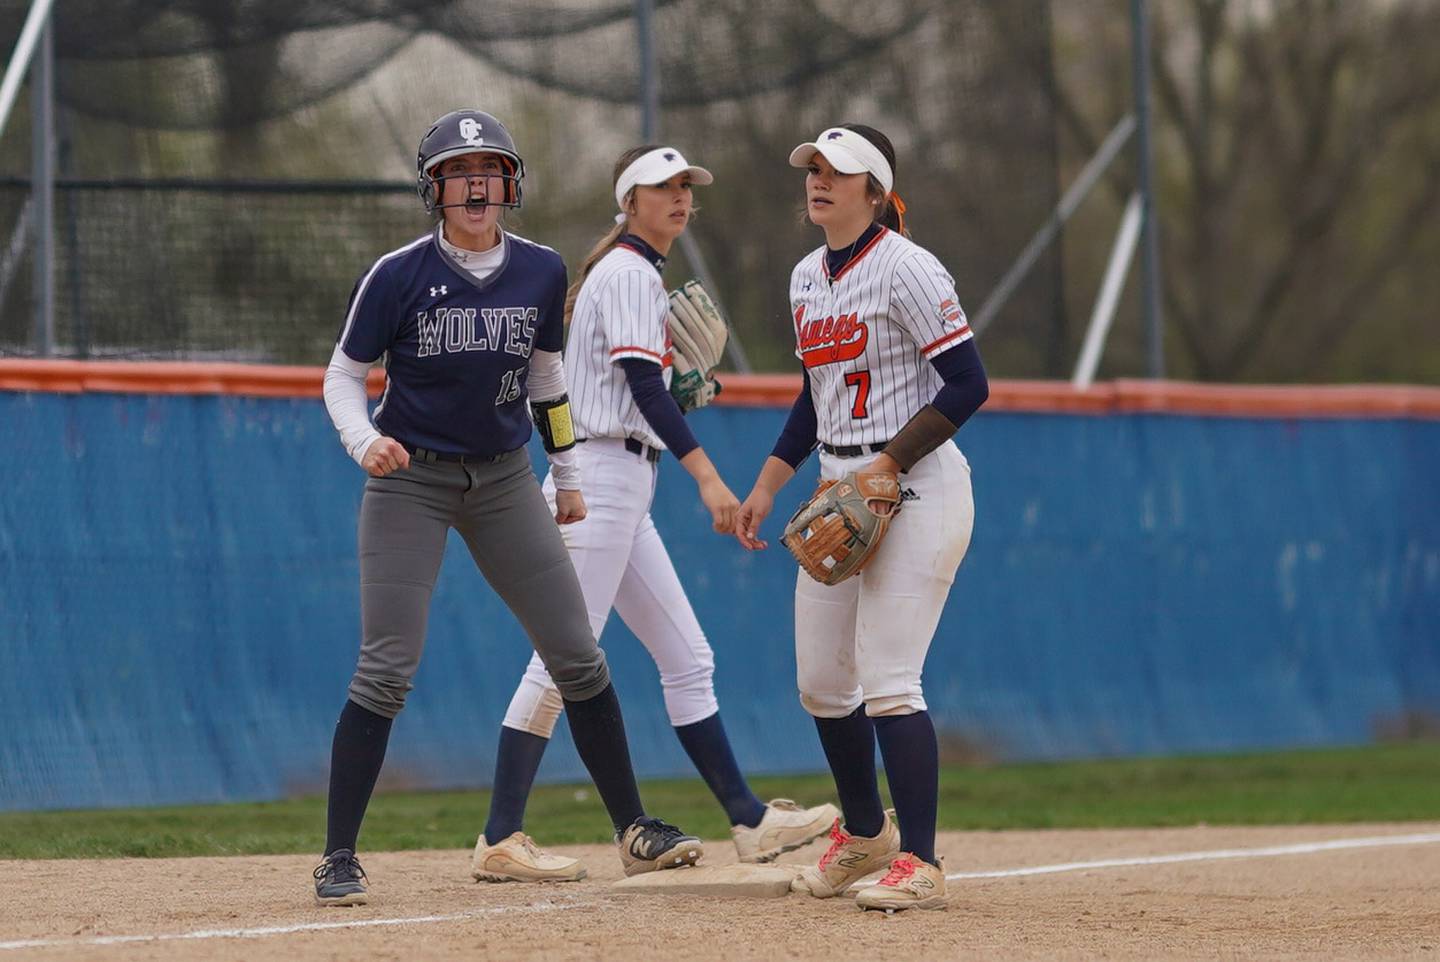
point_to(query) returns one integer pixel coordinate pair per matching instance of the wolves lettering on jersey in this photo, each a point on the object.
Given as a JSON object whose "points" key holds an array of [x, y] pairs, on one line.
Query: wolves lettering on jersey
{"points": [[454, 329], [456, 351], [622, 312], [867, 336]]}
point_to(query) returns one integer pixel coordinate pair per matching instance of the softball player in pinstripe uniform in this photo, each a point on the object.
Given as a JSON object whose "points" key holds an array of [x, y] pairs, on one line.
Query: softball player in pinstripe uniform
{"points": [[469, 321], [617, 366], [891, 372]]}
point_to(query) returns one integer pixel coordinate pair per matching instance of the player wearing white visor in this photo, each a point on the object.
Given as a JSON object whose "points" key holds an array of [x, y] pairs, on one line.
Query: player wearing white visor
{"points": [[654, 168], [848, 153], [618, 367], [890, 373]]}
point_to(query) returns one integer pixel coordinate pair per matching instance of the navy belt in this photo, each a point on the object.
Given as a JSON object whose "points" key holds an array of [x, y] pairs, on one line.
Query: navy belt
{"points": [[852, 450], [635, 447], [429, 456]]}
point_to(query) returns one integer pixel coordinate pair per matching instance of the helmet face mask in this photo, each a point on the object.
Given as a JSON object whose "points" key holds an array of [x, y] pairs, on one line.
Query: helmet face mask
{"points": [[467, 132], [432, 187]]}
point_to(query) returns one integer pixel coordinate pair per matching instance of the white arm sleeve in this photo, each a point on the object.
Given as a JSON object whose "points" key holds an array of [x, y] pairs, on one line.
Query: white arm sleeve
{"points": [[546, 383], [547, 375], [346, 401]]}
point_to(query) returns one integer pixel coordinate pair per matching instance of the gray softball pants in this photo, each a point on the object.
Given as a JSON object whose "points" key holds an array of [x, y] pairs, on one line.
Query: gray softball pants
{"points": [[498, 509]]}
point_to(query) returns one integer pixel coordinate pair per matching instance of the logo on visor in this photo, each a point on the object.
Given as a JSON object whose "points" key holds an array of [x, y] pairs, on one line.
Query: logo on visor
{"points": [[835, 135], [670, 156]]}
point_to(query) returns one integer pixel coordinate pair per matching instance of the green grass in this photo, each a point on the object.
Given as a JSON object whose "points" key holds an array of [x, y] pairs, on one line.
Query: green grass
{"points": [[1394, 782]]}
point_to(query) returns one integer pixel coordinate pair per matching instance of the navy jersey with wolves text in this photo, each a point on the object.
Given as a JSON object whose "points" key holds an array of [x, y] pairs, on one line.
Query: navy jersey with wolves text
{"points": [[457, 352]]}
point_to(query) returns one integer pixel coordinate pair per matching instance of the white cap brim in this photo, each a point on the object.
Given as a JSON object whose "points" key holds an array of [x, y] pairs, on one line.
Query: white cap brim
{"points": [[848, 153], [657, 167]]}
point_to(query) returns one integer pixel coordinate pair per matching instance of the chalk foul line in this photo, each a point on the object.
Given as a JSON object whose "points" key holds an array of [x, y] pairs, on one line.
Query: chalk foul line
{"points": [[1269, 851]]}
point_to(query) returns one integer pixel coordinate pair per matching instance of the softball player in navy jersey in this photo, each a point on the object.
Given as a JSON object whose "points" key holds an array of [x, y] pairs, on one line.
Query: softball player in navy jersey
{"points": [[617, 367], [469, 321], [891, 372]]}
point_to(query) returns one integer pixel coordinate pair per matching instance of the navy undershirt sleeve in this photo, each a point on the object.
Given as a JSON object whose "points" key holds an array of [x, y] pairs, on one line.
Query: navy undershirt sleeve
{"points": [[966, 386], [647, 386], [797, 439]]}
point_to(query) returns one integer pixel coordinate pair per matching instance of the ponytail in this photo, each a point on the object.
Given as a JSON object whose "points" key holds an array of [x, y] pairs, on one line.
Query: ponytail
{"points": [[891, 214], [602, 247], [889, 208], [606, 243]]}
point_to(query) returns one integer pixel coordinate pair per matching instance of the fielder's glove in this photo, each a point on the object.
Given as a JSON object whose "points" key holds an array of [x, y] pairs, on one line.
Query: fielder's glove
{"points": [[697, 335], [836, 532]]}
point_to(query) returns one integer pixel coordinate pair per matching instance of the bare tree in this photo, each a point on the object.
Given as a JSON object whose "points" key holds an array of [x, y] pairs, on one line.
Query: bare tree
{"points": [[1299, 170]]}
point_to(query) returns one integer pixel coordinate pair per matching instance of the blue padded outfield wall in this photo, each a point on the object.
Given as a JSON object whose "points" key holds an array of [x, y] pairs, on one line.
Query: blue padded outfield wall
{"points": [[179, 602]]}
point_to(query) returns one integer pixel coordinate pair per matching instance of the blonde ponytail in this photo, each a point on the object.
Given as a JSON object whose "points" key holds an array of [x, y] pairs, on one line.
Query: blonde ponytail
{"points": [[606, 243], [601, 248]]}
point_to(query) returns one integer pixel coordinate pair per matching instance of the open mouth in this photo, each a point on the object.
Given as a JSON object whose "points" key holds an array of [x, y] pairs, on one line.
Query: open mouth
{"points": [[821, 201]]}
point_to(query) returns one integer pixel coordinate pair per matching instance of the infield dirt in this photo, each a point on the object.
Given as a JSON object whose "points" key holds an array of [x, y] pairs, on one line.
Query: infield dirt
{"points": [[1365, 903]]}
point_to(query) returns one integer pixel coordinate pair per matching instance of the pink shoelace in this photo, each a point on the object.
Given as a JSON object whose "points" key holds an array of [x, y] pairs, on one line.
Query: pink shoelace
{"points": [[900, 870], [838, 840]]}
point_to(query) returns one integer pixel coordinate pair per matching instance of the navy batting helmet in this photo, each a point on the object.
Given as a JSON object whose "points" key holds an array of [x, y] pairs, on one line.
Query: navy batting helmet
{"points": [[466, 132]]}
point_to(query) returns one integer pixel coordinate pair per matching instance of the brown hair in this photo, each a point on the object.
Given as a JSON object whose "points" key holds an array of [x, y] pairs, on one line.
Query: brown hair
{"points": [[605, 244], [890, 208]]}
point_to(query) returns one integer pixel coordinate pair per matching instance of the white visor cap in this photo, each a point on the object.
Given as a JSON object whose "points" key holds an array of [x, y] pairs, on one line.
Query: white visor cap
{"points": [[656, 167], [849, 153]]}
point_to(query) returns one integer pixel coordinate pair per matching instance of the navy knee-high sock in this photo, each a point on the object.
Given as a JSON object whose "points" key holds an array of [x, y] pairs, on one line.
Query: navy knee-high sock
{"points": [[356, 755], [849, 745], [705, 742], [516, 762], [598, 729], [912, 765]]}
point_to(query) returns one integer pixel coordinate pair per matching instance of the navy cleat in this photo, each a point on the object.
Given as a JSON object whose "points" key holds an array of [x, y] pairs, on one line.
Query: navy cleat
{"points": [[339, 880], [650, 845]]}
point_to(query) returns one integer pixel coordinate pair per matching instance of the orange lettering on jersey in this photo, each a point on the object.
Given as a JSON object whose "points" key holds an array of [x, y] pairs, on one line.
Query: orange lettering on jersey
{"points": [[832, 339]]}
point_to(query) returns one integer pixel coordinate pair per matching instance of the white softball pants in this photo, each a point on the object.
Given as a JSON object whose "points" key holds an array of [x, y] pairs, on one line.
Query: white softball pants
{"points": [[623, 564], [865, 639]]}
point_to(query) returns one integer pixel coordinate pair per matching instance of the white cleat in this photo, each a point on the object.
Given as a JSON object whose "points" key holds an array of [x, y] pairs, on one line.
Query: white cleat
{"points": [[785, 827], [518, 859]]}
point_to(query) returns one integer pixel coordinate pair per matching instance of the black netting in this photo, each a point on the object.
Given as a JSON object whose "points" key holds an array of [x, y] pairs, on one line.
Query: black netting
{"points": [[312, 97], [218, 273]]}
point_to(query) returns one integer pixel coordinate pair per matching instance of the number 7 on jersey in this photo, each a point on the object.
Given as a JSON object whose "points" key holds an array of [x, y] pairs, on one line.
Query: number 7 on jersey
{"points": [[860, 381]]}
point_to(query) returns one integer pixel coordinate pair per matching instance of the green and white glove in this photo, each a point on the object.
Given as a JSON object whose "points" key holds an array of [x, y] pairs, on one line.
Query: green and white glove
{"points": [[697, 342]]}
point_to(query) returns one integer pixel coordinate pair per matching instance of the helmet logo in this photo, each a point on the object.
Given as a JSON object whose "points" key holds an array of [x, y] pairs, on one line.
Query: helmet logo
{"points": [[470, 131]]}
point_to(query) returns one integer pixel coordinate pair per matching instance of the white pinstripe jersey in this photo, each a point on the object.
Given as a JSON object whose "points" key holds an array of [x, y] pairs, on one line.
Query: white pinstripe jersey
{"points": [[867, 335], [622, 311]]}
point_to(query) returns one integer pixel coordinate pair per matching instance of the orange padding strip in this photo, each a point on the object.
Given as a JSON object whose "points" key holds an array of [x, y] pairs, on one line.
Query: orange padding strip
{"points": [[772, 390]]}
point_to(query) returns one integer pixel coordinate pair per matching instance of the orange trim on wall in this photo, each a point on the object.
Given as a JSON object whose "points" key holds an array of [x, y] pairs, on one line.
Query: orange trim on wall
{"points": [[772, 390], [169, 377]]}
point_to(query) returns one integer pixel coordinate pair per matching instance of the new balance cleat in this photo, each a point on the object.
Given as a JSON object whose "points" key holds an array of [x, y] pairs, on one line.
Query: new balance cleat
{"points": [[650, 845], [849, 859], [910, 884]]}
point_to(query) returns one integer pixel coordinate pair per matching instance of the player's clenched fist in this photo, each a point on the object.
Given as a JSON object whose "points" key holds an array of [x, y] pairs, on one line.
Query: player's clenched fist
{"points": [[384, 456], [569, 507]]}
